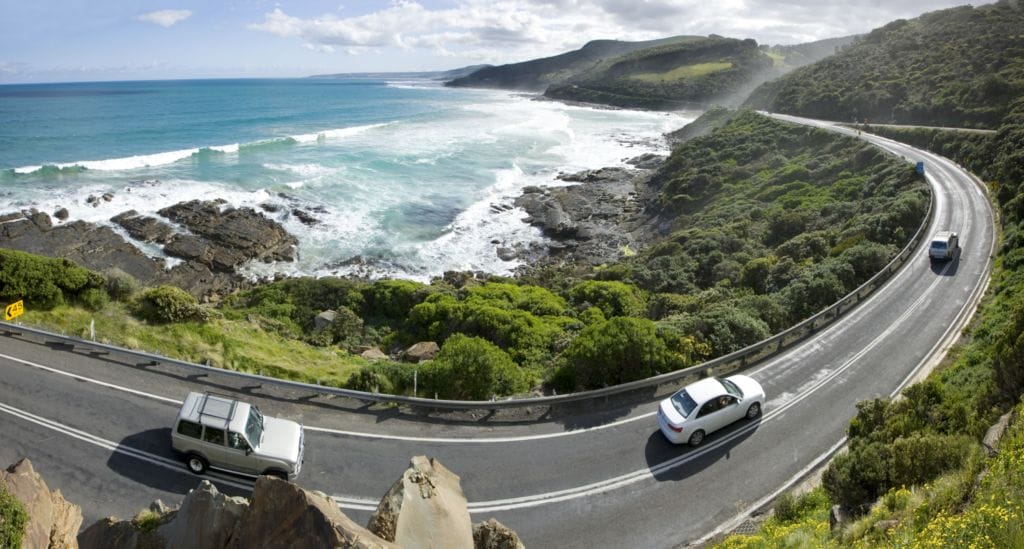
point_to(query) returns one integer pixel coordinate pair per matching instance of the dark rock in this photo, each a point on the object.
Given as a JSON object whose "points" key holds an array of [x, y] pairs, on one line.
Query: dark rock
{"points": [[270, 208], [234, 235], [41, 219], [506, 253], [305, 217], [62, 214], [144, 228], [649, 161], [191, 248]]}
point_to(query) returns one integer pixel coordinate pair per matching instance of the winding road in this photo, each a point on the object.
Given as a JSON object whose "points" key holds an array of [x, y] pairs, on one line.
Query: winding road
{"points": [[96, 424]]}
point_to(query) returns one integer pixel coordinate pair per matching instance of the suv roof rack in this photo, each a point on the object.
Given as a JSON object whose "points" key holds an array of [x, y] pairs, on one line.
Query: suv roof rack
{"points": [[226, 415]]}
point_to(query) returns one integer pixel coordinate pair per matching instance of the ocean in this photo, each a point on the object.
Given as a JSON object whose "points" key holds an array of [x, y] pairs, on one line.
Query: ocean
{"points": [[400, 173]]}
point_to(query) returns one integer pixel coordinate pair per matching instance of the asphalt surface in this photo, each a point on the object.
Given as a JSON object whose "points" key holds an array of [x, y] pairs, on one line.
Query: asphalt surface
{"points": [[606, 478]]}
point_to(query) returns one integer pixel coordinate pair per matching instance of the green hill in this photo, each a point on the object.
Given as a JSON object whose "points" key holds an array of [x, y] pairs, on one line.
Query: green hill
{"points": [[538, 74], [956, 67], [679, 75]]}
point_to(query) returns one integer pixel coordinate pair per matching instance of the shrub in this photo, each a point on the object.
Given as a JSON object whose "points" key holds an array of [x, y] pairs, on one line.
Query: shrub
{"points": [[93, 299], [167, 304], [121, 286], [723, 327], [391, 300], [471, 368], [13, 519], [613, 298], [617, 351], [42, 282]]}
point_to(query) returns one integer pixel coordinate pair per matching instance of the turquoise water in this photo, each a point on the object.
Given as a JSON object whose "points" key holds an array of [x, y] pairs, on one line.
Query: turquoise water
{"points": [[401, 174]]}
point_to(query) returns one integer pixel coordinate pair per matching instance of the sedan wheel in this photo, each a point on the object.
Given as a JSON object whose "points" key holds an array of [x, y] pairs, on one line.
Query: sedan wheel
{"points": [[754, 410], [696, 438], [196, 464]]}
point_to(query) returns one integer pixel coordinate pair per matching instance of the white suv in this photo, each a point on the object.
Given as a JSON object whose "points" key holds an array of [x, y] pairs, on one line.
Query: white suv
{"points": [[224, 433]]}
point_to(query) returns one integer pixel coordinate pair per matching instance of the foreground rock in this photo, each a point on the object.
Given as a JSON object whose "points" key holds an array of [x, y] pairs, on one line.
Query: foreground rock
{"points": [[53, 522], [425, 508]]}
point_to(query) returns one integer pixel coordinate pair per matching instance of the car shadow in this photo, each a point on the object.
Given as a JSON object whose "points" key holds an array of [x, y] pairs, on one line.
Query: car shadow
{"points": [[147, 458], [673, 462], [946, 268]]}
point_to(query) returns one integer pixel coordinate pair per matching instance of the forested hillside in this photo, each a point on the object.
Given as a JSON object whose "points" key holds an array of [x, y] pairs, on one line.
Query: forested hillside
{"points": [[957, 67]]}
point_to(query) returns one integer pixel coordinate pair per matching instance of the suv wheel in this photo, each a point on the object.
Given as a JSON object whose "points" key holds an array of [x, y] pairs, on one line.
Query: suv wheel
{"points": [[196, 464], [276, 474]]}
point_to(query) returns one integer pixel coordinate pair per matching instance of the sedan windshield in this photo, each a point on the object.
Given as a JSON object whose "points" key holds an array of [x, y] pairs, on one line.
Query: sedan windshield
{"points": [[683, 403]]}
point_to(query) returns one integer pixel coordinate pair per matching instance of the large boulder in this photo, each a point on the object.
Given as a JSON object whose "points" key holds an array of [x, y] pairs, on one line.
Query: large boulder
{"points": [[425, 508], [205, 520], [283, 515], [53, 522], [424, 350]]}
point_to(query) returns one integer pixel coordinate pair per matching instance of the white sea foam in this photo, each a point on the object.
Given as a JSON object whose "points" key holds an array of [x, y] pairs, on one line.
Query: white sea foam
{"points": [[335, 133], [116, 164], [232, 148]]}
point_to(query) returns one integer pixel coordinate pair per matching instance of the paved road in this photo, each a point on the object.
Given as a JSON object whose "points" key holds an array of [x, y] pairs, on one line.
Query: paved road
{"points": [[605, 479]]}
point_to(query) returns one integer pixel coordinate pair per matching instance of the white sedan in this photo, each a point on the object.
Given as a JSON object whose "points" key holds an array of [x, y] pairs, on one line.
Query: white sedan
{"points": [[706, 406]]}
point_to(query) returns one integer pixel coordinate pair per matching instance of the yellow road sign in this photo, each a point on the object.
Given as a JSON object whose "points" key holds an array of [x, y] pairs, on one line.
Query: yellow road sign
{"points": [[14, 310]]}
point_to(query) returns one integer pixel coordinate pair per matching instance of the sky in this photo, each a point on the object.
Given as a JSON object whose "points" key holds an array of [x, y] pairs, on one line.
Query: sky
{"points": [[100, 40]]}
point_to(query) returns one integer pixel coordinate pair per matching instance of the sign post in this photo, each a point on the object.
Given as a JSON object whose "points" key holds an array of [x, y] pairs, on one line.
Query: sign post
{"points": [[14, 310]]}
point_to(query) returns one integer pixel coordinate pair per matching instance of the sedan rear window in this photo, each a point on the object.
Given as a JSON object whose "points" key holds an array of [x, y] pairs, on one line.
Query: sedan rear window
{"points": [[683, 403]]}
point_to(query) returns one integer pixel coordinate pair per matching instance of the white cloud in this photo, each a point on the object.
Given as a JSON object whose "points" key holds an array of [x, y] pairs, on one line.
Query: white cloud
{"points": [[165, 18], [501, 31]]}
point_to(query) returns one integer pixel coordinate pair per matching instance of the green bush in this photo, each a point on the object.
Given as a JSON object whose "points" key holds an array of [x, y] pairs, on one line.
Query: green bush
{"points": [[121, 286], [42, 282], [93, 299], [617, 351], [391, 300], [167, 304], [13, 519], [346, 330], [613, 298], [471, 368], [725, 328]]}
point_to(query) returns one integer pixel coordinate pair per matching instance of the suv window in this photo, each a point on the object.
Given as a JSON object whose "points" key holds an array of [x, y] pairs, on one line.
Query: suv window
{"points": [[214, 436], [190, 429], [236, 441]]}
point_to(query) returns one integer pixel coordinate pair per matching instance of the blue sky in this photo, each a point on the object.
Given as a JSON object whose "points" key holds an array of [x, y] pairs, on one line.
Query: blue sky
{"points": [[81, 40]]}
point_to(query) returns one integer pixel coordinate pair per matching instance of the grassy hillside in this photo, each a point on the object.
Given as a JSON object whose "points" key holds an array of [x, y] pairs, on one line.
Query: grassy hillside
{"points": [[682, 74], [538, 74], [956, 67]]}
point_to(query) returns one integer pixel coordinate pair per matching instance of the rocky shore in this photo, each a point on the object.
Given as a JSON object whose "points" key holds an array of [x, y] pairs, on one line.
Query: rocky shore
{"points": [[205, 243], [592, 218]]}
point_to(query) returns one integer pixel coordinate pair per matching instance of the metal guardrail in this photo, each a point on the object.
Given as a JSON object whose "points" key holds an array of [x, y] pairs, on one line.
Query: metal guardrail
{"points": [[719, 366]]}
